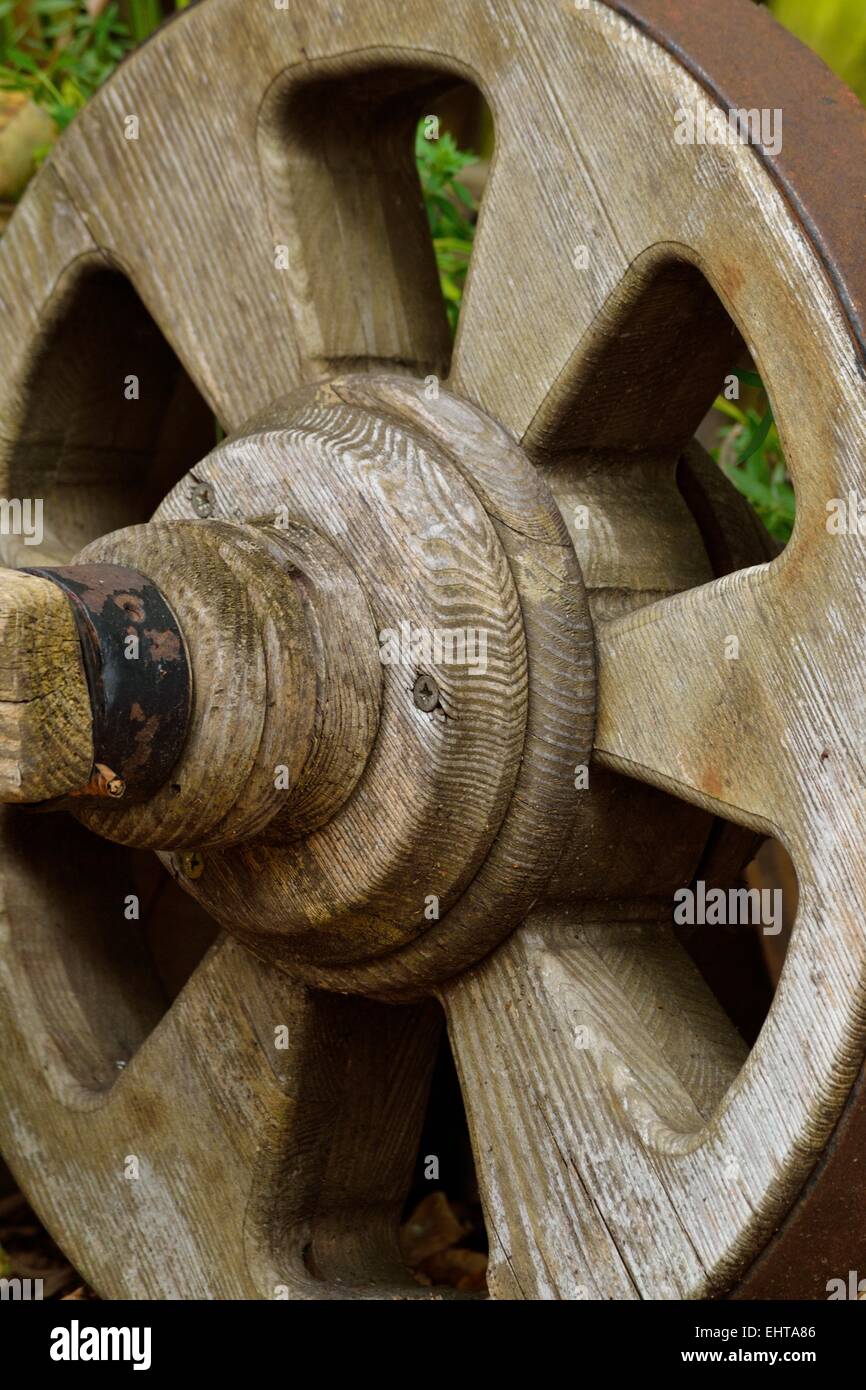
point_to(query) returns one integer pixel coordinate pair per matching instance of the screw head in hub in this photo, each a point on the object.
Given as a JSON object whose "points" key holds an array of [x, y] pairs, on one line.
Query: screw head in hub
{"points": [[190, 863], [202, 499], [425, 693]]}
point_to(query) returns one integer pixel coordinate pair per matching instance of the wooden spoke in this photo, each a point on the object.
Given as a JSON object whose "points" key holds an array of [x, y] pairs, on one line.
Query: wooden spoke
{"points": [[770, 737], [623, 1149], [282, 188], [683, 702], [590, 1055], [722, 695], [180, 179], [192, 1120], [43, 253], [96, 415], [570, 247]]}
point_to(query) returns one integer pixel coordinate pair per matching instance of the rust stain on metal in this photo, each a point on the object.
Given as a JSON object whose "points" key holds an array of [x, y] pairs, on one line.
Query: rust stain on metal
{"points": [[131, 604], [166, 646], [138, 677], [144, 738]]}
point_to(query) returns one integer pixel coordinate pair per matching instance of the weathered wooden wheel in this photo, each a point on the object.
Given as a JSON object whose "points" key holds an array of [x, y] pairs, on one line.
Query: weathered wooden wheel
{"points": [[259, 249]]}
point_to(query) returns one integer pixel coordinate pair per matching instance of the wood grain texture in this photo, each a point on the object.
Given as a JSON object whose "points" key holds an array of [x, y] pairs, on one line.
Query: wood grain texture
{"points": [[637, 542], [336, 148], [175, 1128], [76, 339], [591, 1057], [242, 632], [46, 726], [304, 685], [706, 1160], [747, 738], [437, 784], [348, 675], [561, 690]]}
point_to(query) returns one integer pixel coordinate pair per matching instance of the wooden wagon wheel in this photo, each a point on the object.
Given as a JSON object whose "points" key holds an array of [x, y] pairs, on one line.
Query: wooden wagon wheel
{"points": [[368, 829]]}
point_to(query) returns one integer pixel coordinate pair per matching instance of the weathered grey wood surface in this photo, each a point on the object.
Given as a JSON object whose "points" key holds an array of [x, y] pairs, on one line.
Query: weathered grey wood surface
{"points": [[645, 1164], [46, 744]]}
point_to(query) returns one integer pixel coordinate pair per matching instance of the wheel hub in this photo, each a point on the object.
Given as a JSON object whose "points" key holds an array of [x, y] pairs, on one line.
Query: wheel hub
{"points": [[356, 612]]}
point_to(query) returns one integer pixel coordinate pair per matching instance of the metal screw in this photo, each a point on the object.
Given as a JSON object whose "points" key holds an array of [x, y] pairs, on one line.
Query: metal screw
{"points": [[425, 693], [202, 499], [190, 863]]}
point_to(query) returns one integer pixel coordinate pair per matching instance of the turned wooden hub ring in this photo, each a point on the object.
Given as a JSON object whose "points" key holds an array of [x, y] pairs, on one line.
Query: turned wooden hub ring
{"points": [[465, 801], [375, 775]]}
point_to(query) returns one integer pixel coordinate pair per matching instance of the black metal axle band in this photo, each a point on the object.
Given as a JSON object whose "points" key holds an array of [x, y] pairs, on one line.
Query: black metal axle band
{"points": [[138, 677]]}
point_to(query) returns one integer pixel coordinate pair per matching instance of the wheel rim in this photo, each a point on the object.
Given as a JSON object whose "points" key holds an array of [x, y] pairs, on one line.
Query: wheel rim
{"points": [[725, 211]]}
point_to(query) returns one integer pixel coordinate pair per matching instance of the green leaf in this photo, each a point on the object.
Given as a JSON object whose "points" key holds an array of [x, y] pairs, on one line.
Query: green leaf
{"points": [[835, 29], [757, 438], [726, 407], [748, 378], [463, 194]]}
